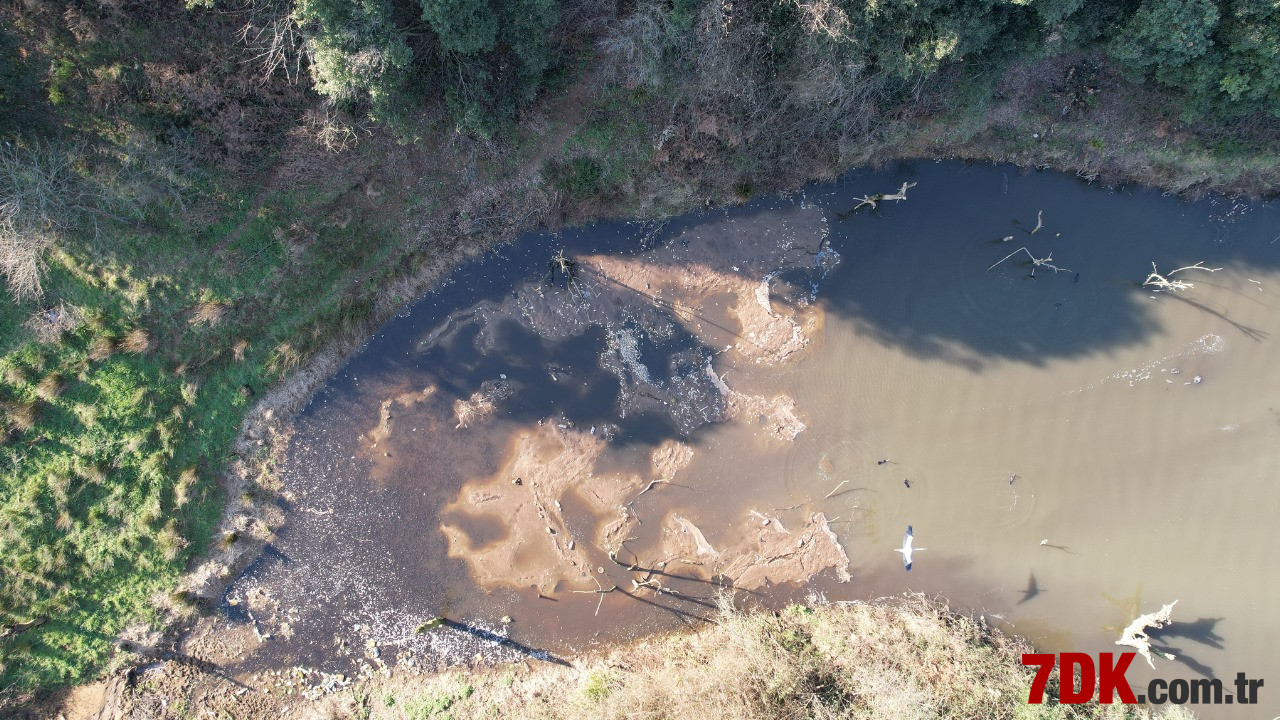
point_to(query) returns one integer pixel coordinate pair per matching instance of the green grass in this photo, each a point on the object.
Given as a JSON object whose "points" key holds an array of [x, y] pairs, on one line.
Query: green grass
{"points": [[437, 705], [114, 434], [108, 469], [606, 151], [595, 686]]}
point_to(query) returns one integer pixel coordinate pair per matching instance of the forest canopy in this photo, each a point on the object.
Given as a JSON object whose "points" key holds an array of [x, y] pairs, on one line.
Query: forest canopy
{"points": [[487, 58]]}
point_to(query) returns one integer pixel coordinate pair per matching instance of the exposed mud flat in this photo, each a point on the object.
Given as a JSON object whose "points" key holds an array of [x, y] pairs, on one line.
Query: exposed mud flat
{"points": [[496, 474], [757, 402], [540, 547]]}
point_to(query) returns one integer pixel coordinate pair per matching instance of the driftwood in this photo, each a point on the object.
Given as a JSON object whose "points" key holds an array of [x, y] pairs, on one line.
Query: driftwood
{"points": [[874, 200], [1046, 262], [649, 487], [601, 592], [1135, 634], [1165, 282], [1039, 223], [901, 194]]}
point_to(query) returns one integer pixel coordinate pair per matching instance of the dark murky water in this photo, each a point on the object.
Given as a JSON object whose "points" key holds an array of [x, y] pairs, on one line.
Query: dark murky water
{"points": [[712, 389]]}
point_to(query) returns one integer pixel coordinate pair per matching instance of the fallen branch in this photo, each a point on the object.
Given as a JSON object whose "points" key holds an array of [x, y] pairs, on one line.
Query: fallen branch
{"points": [[1039, 223], [901, 194], [833, 490], [1135, 635], [1164, 282], [1035, 261], [873, 200], [601, 592], [649, 487]]}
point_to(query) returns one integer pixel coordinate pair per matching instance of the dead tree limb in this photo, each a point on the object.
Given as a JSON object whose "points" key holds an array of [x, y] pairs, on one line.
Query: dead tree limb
{"points": [[1135, 634], [1039, 223], [649, 487], [1166, 282], [1045, 262], [601, 592], [901, 194], [874, 200]]}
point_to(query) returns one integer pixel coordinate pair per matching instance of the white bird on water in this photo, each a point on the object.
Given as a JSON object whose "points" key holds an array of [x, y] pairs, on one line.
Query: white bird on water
{"points": [[906, 549]]}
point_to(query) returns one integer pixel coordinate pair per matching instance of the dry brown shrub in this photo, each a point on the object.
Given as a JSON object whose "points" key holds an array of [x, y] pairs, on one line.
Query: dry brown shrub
{"points": [[171, 542], [20, 416], [92, 472], [182, 489], [102, 347], [888, 660], [285, 358], [50, 386], [209, 312], [15, 375], [50, 324], [137, 341]]}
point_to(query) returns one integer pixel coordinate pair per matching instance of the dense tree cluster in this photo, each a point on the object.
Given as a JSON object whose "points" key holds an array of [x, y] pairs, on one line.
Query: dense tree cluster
{"points": [[483, 58], [486, 57], [1224, 55]]}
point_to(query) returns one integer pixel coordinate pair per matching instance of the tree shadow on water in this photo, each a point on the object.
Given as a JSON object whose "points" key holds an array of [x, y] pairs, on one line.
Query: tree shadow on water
{"points": [[926, 275], [1202, 631]]}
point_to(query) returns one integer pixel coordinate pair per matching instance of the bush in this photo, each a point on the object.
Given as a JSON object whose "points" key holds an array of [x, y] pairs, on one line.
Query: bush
{"points": [[581, 178]]}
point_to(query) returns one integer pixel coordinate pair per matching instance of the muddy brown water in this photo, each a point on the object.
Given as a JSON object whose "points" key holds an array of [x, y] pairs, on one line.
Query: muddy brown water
{"points": [[712, 394]]}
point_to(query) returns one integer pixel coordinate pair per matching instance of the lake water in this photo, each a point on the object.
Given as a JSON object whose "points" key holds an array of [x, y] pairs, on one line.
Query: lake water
{"points": [[701, 413]]}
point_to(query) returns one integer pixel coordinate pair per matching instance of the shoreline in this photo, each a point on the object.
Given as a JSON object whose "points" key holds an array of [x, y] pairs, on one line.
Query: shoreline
{"points": [[264, 437], [887, 658], [199, 234], [264, 430]]}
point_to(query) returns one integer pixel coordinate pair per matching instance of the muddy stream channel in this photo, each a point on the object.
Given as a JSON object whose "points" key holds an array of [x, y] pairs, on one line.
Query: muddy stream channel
{"points": [[754, 403]]}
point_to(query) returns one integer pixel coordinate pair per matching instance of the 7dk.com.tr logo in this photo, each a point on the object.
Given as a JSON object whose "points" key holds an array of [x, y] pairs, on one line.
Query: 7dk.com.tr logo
{"points": [[1078, 680]]}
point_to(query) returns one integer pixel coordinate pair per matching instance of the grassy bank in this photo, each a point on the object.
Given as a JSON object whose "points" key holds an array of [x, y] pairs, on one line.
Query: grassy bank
{"points": [[123, 397], [207, 231], [909, 658]]}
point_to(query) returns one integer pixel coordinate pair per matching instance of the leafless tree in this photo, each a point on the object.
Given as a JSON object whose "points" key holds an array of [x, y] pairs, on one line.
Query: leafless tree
{"points": [[272, 39], [39, 187], [823, 98], [52, 191]]}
